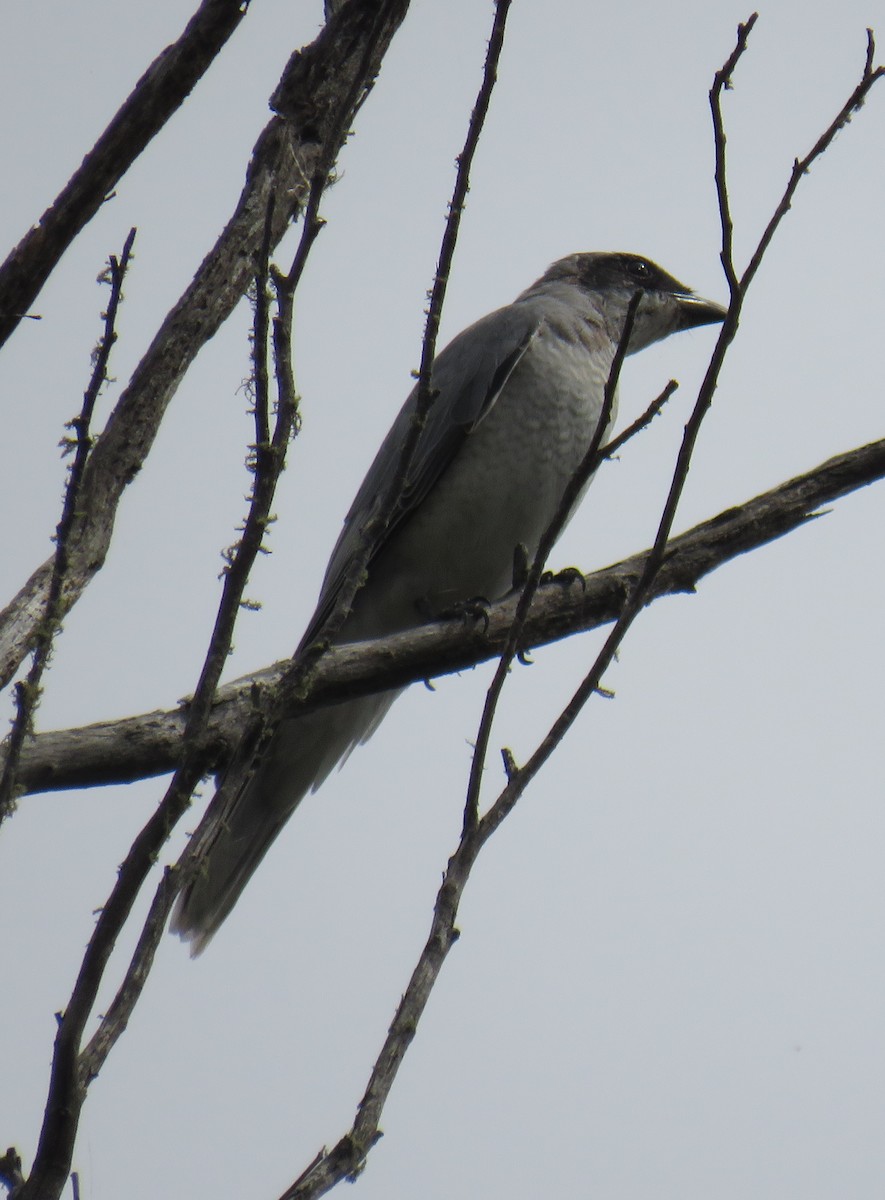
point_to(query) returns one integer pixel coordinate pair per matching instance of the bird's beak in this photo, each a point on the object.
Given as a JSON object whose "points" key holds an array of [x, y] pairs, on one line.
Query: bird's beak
{"points": [[695, 310]]}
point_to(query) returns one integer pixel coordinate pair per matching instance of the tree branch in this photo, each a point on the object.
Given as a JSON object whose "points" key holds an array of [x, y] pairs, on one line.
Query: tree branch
{"points": [[571, 494], [347, 1156], [342, 61], [70, 1075], [644, 588], [71, 1070], [267, 461], [263, 719], [124, 750], [158, 94], [27, 693]]}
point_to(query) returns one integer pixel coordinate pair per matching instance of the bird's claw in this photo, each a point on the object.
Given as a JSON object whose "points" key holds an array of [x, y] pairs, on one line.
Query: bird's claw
{"points": [[566, 577], [474, 609]]}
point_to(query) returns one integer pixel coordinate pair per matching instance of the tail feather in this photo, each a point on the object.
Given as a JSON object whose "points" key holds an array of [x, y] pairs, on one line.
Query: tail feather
{"points": [[237, 831]]}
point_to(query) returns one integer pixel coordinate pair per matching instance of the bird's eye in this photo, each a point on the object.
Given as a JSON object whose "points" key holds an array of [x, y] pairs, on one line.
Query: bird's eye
{"points": [[641, 269]]}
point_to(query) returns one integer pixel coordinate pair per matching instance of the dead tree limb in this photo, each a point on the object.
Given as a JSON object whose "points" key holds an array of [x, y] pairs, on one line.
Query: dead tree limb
{"points": [[162, 89], [150, 744]]}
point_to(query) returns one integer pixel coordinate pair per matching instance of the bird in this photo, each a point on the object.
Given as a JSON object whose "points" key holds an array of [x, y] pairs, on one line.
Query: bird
{"points": [[518, 397]]}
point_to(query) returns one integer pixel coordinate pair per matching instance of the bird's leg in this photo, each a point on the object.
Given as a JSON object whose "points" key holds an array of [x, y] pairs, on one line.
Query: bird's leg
{"points": [[520, 566]]}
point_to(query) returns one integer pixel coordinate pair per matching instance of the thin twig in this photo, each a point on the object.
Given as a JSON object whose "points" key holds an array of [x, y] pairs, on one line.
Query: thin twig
{"points": [[347, 1156], [71, 1072], [268, 462], [589, 463], [27, 692], [722, 82], [437, 293], [346, 1159], [266, 719], [375, 527], [802, 166], [643, 589]]}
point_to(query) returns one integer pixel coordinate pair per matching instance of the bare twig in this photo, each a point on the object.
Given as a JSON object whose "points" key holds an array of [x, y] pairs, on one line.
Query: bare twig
{"points": [[437, 293], [348, 1154], [722, 82], [27, 692], [643, 589], [588, 465], [158, 94], [267, 465], [72, 1071], [870, 76], [265, 719], [267, 462], [375, 527]]}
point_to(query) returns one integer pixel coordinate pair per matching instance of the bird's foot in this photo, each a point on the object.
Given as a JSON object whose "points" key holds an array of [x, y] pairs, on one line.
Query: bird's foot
{"points": [[475, 609], [566, 577]]}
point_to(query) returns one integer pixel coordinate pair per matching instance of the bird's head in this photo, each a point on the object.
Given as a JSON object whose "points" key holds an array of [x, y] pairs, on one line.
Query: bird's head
{"points": [[610, 280]]}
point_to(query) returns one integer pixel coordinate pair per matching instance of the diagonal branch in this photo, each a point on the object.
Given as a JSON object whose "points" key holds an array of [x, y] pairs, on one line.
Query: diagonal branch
{"points": [[353, 1146], [158, 94], [459, 199], [342, 61], [643, 590], [586, 468], [267, 463], [869, 78]]}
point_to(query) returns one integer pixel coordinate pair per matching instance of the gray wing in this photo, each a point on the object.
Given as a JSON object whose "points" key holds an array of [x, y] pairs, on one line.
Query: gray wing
{"points": [[469, 376]]}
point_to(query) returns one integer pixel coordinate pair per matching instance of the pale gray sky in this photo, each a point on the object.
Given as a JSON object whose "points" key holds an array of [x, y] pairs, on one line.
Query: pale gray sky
{"points": [[671, 976]]}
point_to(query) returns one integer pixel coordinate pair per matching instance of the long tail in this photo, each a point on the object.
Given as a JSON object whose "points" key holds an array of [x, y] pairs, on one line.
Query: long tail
{"points": [[237, 831]]}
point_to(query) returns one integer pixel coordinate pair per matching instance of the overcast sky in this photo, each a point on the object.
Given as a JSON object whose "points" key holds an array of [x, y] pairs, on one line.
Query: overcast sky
{"points": [[671, 976]]}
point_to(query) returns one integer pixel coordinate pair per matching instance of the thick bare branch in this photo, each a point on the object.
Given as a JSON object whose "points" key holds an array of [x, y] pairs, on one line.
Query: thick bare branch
{"points": [[343, 61], [121, 751], [165, 85]]}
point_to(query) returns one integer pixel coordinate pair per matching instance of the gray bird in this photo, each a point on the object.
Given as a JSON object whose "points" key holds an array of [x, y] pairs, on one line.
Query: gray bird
{"points": [[520, 394]]}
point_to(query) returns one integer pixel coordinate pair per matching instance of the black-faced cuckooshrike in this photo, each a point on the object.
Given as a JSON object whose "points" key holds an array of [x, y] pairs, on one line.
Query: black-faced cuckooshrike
{"points": [[520, 394]]}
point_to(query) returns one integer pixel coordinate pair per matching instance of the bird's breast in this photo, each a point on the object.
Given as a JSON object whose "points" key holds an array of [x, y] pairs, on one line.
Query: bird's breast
{"points": [[501, 489]]}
